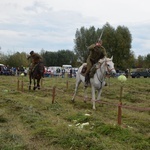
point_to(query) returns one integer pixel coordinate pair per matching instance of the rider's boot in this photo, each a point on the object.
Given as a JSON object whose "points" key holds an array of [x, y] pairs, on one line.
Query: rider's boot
{"points": [[83, 74], [86, 80]]}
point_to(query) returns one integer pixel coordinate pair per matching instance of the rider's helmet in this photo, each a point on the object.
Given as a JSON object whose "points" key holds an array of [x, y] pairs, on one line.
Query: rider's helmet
{"points": [[31, 52]]}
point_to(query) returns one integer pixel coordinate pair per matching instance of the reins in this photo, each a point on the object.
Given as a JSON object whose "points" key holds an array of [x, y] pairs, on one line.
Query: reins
{"points": [[103, 74], [109, 70]]}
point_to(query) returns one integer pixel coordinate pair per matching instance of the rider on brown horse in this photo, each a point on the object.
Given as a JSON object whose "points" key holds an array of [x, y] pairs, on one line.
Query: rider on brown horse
{"points": [[35, 59], [36, 70]]}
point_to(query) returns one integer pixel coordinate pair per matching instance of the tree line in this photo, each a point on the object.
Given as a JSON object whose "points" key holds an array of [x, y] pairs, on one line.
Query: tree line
{"points": [[117, 43]]}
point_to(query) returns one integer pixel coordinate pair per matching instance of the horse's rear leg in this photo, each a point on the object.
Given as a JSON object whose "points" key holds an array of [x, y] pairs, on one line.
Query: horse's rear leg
{"points": [[34, 88], [93, 97], [75, 91], [30, 84], [85, 94]]}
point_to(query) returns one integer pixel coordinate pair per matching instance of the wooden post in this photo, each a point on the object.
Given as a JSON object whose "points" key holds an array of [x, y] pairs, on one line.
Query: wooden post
{"points": [[18, 85], [119, 113], [53, 94], [120, 106], [22, 85], [108, 81], [67, 84]]}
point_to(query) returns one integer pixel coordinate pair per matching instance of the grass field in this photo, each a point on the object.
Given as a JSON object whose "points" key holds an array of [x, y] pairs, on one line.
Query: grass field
{"points": [[29, 120]]}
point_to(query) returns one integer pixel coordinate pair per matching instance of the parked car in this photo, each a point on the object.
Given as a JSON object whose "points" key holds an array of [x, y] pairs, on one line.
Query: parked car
{"points": [[139, 74]]}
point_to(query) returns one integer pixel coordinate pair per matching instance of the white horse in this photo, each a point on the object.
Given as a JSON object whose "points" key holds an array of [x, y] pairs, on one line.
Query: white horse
{"points": [[104, 66]]}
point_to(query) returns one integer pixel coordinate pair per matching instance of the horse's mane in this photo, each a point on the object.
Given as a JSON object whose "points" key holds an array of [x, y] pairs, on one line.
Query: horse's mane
{"points": [[104, 59], [84, 64]]}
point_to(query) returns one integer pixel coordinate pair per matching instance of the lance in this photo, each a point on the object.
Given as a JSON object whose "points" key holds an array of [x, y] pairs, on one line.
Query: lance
{"points": [[102, 33]]}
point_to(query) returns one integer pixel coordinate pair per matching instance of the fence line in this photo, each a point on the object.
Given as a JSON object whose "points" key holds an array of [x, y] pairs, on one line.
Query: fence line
{"points": [[119, 105], [55, 89]]}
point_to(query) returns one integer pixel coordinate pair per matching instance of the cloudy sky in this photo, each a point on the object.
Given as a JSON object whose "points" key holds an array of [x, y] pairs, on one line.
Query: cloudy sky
{"points": [[51, 25]]}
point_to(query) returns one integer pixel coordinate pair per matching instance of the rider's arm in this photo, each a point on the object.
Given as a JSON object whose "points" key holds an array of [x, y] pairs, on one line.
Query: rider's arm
{"points": [[29, 57], [91, 47], [39, 56], [103, 50]]}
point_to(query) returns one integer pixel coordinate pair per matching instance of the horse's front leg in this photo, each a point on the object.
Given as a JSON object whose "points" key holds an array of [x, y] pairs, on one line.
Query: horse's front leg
{"points": [[93, 96], [38, 84], [75, 91], [34, 88], [30, 82], [99, 94]]}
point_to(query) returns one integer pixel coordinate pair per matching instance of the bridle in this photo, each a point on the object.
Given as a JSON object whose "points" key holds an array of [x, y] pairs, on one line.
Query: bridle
{"points": [[106, 72], [108, 69]]}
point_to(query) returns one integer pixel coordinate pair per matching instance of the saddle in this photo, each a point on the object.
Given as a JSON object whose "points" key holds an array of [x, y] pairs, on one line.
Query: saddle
{"points": [[91, 72], [84, 69]]}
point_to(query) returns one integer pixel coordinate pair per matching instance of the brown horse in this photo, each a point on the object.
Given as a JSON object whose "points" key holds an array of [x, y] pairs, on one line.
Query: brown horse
{"points": [[36, 74]]}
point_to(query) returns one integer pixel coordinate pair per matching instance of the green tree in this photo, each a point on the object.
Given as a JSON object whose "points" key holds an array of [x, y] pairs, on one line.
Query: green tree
{"points": [[3, 58], [83, 38], [108, 38], [17, 60], [122, 51], [140, 61], [116, 42], [50, 58], [59, 58], [147, 61], [131, 61]]}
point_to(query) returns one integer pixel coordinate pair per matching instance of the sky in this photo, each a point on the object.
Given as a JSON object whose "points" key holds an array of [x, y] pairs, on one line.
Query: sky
{"points": [[51, 25]]}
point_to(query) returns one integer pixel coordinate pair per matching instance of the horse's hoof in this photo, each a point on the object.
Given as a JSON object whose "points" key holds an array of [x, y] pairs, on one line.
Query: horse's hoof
{"points": [[39, 88], [85, 99], [34, 88], [72, 101], [29, 87]]}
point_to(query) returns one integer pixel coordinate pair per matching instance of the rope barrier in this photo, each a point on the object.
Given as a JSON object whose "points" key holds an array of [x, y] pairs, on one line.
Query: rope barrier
{"points": [[54, 90], [119, 105]]}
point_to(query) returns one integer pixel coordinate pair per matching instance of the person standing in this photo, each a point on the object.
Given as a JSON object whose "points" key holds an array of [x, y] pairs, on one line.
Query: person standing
{"points": [[63, 72], [70, 72]]}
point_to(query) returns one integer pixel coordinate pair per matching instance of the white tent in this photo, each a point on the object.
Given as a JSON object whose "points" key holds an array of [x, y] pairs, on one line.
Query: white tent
{"points": [[2, 65]]}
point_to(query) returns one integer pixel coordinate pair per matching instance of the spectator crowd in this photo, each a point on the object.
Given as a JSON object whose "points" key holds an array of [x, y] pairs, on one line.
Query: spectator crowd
{"points": [[12, 71]]}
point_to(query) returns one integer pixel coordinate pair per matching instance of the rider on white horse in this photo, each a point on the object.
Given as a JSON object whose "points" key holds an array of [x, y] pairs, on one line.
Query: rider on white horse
{"points": [[97, 51], [97, 82]]}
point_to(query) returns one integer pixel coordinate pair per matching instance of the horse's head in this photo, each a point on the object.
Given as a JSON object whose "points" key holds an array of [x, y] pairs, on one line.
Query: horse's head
{"points": [[110, 70]]}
